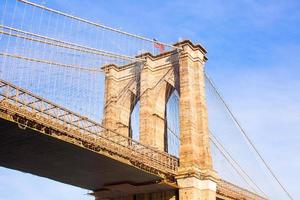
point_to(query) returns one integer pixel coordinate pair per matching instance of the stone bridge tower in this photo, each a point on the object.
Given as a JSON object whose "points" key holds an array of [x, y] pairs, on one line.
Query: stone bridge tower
{"points": [[152, 84]]}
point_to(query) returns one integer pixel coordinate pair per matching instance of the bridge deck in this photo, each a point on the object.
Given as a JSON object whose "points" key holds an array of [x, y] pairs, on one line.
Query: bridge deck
{"points": [[45, 156], [42, 138]]}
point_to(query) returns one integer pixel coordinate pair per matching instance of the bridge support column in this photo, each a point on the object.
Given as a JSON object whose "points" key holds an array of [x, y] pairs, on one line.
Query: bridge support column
{"points": [[196, 177], [165, 195], [193, 188], [156, 83], [152, 120], [120, 98]]}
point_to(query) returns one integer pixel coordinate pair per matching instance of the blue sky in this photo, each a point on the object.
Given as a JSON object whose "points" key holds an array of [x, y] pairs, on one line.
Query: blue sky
{"points": [[253, 50]]}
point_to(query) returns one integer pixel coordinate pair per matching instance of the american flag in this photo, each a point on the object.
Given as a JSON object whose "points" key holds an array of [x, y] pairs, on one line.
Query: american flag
{"points": [[159, 46]]}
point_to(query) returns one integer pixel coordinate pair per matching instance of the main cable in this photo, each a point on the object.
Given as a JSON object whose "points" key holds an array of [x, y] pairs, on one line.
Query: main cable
{"points": [[95, 24]]}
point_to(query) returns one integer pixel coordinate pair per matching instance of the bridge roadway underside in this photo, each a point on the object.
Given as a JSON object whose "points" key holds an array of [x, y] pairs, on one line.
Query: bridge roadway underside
{"points": [[31, 152]]}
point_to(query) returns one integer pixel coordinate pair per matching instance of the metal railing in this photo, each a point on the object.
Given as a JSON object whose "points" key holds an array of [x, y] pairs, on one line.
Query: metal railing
{"points": [[230, 190], [29, 110], [34, 111]]}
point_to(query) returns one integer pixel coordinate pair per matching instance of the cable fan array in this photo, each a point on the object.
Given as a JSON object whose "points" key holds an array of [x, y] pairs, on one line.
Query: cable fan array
{"points": [[59, 56]]}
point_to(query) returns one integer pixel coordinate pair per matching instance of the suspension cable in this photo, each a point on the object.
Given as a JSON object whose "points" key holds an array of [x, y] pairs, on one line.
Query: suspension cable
{"points": [[231, 164], [96, 24], [229, 158], [214, 139], [50, 62], [64, 44], [246, 136]]}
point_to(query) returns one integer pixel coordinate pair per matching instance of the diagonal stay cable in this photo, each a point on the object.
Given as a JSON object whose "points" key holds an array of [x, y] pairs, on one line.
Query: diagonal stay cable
{"points": [[228, 157], [231, 164], [214, 139], [247, 137]]}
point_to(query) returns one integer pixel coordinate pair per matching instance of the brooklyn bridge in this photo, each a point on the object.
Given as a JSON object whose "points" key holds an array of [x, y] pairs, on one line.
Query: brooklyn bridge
{"points": [[116, 113]]}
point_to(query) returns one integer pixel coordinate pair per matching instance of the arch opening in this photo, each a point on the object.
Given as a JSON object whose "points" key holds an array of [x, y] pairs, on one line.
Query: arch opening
{"points": [[172, 125], [134, 122]]}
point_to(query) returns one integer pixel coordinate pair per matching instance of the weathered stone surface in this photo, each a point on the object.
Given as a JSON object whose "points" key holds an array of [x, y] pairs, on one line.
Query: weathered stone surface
{"points": [[120, 97], [160, 75], [67, 147]]}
